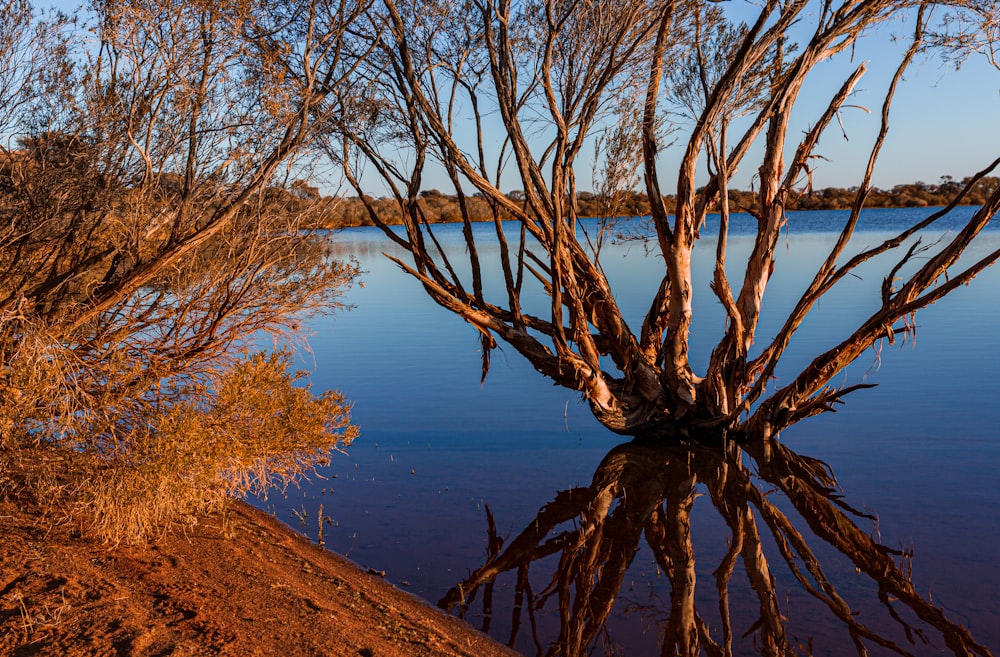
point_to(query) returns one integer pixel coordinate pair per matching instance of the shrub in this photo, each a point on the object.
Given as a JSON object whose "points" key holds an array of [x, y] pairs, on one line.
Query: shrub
{"points": [[242, 431]]}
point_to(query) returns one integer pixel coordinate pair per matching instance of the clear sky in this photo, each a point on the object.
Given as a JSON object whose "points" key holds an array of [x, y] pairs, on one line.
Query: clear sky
{"points": [[944, 121]]}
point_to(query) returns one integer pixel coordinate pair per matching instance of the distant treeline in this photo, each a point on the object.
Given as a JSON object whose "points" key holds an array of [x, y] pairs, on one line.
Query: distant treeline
{"points": [[444, 208]]}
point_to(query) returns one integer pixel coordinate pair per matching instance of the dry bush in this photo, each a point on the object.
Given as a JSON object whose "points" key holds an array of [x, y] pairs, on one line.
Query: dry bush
{"points": [[148, 459], [156, 393], [242, 431], [144, 248]]}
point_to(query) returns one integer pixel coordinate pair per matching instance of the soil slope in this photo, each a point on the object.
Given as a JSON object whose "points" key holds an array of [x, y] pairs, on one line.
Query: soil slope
{"points": [[242, 584]]}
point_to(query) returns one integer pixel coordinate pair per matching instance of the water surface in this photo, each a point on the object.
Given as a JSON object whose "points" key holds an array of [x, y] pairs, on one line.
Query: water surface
{"points": [[921, 452]]}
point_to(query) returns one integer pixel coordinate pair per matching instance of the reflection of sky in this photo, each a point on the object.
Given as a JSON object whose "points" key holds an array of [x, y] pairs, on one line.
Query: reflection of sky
{"points": [[394, 323], [921, 450]]}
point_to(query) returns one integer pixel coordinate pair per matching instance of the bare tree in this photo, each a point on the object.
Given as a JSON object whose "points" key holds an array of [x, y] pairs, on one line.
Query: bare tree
{"points": [[148, 236], [549, 76], [552, 78]]}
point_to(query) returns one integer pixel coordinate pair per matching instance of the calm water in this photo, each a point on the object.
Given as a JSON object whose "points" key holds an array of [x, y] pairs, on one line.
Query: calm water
{"points": [[921, 451]]}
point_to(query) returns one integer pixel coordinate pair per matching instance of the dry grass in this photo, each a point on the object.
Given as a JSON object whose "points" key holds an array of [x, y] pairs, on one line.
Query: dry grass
{"points": [[42, 617]]}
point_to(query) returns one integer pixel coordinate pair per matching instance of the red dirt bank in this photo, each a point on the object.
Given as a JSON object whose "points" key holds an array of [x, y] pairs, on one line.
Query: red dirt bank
{"points": [[245, 585]]}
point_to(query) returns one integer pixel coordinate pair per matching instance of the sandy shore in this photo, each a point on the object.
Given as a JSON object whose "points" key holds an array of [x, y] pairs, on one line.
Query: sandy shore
{"points": [[238, 584]]}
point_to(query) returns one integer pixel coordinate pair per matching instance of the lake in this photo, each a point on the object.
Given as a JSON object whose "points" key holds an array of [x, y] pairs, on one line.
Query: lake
{"points": [[921, 452]]}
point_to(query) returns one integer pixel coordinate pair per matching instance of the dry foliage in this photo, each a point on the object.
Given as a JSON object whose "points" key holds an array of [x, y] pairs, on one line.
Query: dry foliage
{"points": [[238, 431], [146, 243]]}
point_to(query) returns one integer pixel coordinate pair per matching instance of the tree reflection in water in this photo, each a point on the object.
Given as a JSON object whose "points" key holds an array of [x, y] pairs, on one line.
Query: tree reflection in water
{"points": [[642, 491]]}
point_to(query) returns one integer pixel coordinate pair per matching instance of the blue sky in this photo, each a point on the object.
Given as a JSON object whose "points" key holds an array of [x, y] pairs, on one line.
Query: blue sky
{"points": [[943, 122]]}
